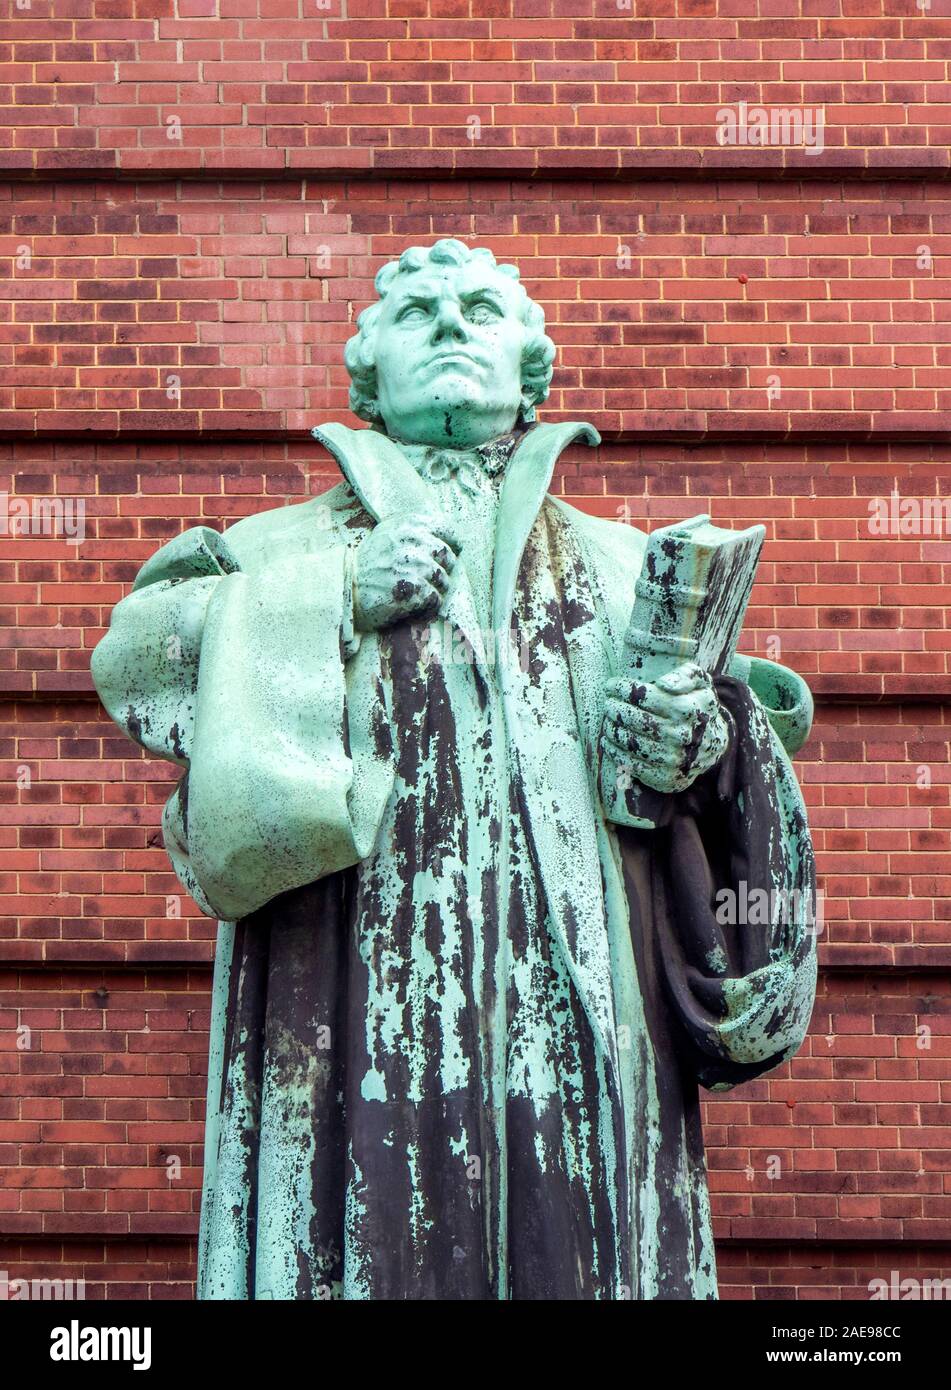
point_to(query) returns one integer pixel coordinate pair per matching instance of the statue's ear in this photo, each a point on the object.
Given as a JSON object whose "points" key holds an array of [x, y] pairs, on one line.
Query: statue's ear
{"points": [[537, 361]]}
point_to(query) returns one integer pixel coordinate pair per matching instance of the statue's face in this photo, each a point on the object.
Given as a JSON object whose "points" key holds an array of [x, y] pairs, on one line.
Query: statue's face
{"points": [[448, 355]]}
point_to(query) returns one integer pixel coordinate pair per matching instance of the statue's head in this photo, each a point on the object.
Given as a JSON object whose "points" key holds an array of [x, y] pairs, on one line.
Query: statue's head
{"points": [[453, 352]]}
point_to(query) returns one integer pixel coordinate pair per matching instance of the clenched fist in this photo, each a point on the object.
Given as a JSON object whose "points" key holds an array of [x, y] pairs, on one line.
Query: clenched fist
{"points": [[403, 568], [668, 732]]}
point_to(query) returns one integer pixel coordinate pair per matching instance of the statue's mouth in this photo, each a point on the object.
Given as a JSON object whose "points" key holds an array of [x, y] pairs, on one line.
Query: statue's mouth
{"points": [[444, 359]]}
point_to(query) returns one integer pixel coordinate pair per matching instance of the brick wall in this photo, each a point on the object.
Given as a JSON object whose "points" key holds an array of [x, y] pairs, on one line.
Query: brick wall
{"points": [[394, 84], [760, 333], [681, 308]]}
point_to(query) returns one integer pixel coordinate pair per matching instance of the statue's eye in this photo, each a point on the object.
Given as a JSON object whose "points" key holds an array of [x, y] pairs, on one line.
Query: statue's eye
{"points": [[413, 313], [482, 311]]}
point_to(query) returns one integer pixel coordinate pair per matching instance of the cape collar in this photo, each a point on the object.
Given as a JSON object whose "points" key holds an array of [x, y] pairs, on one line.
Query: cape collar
{"points": [[388, 485]]}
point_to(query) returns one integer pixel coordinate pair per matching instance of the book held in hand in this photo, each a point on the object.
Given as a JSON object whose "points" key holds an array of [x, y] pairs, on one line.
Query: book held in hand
{"points": [[691, 598]]}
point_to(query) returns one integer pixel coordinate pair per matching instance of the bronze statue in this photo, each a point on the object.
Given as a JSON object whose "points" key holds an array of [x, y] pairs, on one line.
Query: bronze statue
{"points": [[464, 995]]}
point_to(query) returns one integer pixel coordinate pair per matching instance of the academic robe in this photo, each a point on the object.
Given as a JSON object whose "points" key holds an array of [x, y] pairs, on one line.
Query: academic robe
{"points": [[461, 1007]]}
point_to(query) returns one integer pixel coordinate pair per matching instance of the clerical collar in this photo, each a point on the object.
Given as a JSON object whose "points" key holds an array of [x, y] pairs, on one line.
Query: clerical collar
{"points": [[470, 467]]}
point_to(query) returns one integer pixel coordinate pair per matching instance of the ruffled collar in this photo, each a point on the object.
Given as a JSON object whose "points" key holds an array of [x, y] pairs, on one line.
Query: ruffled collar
{"points": [[469, 467]]}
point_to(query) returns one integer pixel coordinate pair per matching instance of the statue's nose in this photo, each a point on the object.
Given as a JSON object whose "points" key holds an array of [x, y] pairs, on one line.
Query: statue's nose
{"points": [[449, 323]]}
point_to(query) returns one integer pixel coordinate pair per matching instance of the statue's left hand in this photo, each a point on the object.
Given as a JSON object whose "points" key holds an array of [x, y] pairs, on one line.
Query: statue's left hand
{"points": [[668, 732]]}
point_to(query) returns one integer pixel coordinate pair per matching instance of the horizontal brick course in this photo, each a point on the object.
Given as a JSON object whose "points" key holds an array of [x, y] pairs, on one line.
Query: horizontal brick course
{"points": [[84, 875], [857, 613], [271, 85], [102, 1121], [678, 309]]}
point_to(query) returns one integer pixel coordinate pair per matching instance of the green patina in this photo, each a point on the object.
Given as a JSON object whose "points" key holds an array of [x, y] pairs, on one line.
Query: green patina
{"points": [[509, 978]]}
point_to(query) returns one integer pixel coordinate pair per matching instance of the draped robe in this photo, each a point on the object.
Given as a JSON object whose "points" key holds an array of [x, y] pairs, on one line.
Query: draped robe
{"points": [[461, 1006]]}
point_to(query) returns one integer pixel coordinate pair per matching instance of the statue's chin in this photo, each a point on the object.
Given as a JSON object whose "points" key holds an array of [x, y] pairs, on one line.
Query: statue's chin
{"points": [[459, 425]]}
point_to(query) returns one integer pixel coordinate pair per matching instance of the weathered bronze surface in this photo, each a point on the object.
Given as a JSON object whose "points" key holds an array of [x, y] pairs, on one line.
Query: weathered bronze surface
{"points": [[463, 1000]]}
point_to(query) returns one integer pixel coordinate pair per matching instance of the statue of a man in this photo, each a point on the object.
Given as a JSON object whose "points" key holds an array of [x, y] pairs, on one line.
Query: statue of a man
{"points": [[461, 1010]]}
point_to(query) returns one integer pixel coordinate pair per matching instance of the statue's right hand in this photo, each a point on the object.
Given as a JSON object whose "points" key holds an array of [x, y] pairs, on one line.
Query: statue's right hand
{"points": [[403, 569]]}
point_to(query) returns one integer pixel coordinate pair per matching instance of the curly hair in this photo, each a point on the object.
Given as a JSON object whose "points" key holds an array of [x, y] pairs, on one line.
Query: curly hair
{"points": [[538, 352]]}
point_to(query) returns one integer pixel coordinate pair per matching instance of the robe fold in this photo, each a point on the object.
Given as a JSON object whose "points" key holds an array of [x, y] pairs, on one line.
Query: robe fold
{"points": [[461, 1010]]}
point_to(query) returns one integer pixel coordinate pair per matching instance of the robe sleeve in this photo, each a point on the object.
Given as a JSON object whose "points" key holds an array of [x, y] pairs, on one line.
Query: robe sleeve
{"points": [[735, 906], [783, 695], [257, 686]]}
